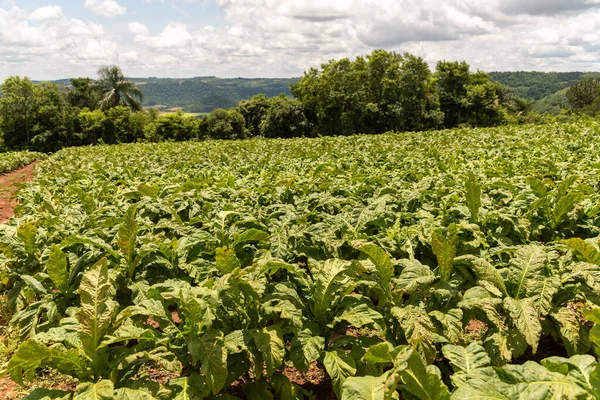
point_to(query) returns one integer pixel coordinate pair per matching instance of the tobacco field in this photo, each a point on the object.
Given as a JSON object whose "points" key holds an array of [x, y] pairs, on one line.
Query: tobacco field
{"points": [[460, 264], [18, 159]]}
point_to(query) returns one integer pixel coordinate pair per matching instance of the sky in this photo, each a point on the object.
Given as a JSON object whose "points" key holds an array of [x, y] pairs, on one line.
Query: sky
{"points": [[52, 39]]}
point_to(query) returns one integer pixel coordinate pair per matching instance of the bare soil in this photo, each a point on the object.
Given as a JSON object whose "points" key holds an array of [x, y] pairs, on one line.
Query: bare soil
{"points": [[8, 389], [8, 189]]}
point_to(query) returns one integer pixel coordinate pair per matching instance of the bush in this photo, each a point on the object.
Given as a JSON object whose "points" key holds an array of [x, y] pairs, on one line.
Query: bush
{"points": [[92, 126], [172, 127]]}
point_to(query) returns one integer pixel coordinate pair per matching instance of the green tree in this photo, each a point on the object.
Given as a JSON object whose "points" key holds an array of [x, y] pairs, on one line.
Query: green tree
{"points": [[254, 111], [380, 92], [35, 116], [409, 97], [223, 124], [584, 96], [18, 107], [84, 93], [285, 118], [334, 97], [115, 90], [467, 98], [92, 126], [452, 78]]}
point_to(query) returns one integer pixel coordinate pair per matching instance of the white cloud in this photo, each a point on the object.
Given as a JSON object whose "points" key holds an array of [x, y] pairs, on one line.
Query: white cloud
{"points": [[54, 46], [545, 7], [138, 29], [173, 36], [106, 8], [46, 13], [285, 37]]}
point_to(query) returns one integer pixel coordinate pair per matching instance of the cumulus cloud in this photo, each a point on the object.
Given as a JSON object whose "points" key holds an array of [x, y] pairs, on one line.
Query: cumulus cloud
{"points": [[106, 8], [253, 38], [173, 36], [45, 13], [546, 7], [53, 45]]}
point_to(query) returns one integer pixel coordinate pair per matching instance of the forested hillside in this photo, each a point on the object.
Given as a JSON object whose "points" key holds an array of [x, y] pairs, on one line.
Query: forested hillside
{"points": [[536, 85], [204, 94]]}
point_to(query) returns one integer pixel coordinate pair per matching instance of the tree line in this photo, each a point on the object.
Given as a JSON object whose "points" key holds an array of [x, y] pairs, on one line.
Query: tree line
{"points": [[383, 91], [584, 96]]}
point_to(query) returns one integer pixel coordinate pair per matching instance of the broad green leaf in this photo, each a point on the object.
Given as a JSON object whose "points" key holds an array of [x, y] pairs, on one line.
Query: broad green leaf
{"points": [[384, 266], [532, 381], [34, 284], [57, 268], [579, 368], [95, 313], [473, 195], [250, 236], [331, 277], [259, 390], [361, 315], [502, 347], [418, 329], [564, 206], [69, 362], [284, 389], [189, 388], [571, 331], [451, 322], [443, 244], [594, 316], [364, 388], [537, 186], [48, 394], [525, 266], [484, 271], [132, 394], [416, 380], [210, 351], [584, 249], [466, 359], [29, 356], [543, 290], [526, 320], [380, 353], [127, 235], [306, 349], [415, 277], [339, 366], [226, 260], [269, 342], [101, 390], [27, 233]]}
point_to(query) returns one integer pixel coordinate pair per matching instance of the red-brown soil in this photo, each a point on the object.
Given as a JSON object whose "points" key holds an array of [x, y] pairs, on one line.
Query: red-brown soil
{"points": [[8, 189]]}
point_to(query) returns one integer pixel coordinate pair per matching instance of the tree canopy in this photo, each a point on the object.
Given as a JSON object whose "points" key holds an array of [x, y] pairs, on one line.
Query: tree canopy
{"points": [[115, 90]]}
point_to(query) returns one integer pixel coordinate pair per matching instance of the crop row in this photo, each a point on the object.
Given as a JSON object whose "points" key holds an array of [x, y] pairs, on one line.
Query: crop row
{"points": [[14, 160]]}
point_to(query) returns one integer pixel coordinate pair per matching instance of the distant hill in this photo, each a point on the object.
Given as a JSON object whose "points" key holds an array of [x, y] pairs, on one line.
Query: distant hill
{"points": [[553, 103], [537, 85], [204, 94]]}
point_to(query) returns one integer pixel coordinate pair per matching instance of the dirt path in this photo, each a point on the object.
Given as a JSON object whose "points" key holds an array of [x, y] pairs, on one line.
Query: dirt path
{"points": [[8, 189]]}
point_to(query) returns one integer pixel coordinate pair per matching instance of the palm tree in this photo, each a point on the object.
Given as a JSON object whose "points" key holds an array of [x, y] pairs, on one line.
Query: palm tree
{"points": [[115, 90]]}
